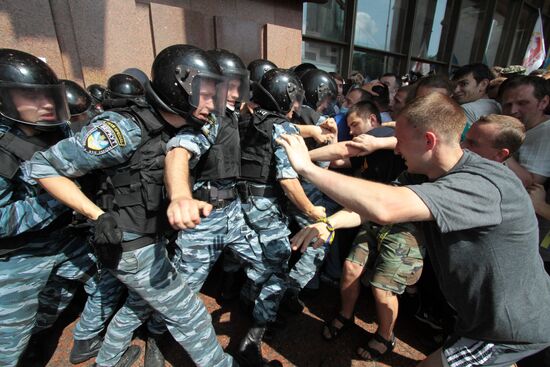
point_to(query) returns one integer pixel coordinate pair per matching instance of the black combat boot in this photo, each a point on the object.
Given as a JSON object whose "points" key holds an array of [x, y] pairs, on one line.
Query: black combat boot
{"points": [[153, 355], [84, 349], [250, 350], [128, 358]]}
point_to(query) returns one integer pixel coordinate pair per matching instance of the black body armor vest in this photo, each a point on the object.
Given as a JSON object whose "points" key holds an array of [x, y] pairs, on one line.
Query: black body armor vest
{"points": [[14, 150], [223, 158], [257, 160], [139, 196]]}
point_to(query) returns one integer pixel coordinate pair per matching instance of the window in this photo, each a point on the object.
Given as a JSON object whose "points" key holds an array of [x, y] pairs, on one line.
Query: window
{"points": [[470, 24], [427, 29], [324, 20], [495, 34], [326, 57], [522, 35], [373, 65], [380, 24]]}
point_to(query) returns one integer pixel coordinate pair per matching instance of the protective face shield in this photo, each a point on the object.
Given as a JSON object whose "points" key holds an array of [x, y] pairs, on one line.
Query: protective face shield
{"points": [[238, 87], [279, 90], [207, 92], [34, 105]]}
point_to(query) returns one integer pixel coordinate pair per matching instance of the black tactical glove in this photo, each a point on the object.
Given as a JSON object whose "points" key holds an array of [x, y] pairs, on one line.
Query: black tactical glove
{"points": [[106, 230], [107, 240]]}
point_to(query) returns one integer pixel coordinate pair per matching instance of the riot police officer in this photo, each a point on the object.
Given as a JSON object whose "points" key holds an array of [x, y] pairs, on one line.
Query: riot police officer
{"points": [[208, 212], [39, 257], [320, 89], [123, 86], [128, 145], [266, 179], [258, 68], [80, 103]]}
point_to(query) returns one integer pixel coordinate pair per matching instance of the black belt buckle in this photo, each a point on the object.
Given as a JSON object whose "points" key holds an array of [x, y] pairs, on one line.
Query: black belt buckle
{"points": [[220, 203], [242, 190]]}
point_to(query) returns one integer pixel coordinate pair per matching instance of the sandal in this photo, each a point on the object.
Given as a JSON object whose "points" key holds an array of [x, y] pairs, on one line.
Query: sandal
{"points": [[331, 331], [369, 353]]}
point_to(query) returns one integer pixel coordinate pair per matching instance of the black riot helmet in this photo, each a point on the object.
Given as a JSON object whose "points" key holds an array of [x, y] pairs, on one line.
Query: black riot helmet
{"points": [[30, 92], [123, 86], [303, 68], [179, 76], [279, 90], [318, 86], [97, 91], [258, 68], [233, 69], [78, 99]]}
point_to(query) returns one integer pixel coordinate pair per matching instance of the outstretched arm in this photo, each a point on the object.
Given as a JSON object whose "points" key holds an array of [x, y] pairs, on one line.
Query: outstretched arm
{"points": [[383, 204]]}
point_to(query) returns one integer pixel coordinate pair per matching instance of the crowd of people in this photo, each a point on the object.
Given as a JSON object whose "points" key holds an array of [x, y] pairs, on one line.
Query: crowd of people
{"points": [[431, 191]]}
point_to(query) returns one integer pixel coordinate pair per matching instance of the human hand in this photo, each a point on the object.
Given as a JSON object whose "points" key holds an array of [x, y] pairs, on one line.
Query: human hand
{"points": [[297, 152], [107, 231], [315, 235], [364, 143], [184, 213], [317, 212]]}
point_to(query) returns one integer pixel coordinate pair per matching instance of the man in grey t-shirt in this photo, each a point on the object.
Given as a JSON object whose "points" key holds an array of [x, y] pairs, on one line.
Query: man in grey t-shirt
{"points": [[480, 229]]}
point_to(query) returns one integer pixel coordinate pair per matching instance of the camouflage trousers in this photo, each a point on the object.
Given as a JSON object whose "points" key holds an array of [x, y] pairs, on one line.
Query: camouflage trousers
{"points": [[312, 259], [264, 215], [200, 247], [155, 285], [24, 274]]}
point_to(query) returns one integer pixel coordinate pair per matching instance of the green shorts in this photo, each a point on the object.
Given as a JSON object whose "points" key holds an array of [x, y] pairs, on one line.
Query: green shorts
{"points": [[393, 255]]}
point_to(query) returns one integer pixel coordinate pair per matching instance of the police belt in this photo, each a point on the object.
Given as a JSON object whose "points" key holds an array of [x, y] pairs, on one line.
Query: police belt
{"points": [[219, 198], [246, 189], [140, 242], [10, 244]]}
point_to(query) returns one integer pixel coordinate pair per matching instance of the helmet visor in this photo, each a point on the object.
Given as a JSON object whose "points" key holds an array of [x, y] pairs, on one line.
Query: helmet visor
{"points": [[238, 88], [41, 105], [207, 92]]}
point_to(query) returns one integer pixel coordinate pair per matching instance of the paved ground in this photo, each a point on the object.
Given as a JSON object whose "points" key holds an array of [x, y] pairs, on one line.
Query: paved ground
{"points": [[298, 344]]}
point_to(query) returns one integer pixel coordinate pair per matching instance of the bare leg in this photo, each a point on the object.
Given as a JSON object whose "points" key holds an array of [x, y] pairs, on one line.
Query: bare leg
{"points": [[350, 287], [387, 308]]}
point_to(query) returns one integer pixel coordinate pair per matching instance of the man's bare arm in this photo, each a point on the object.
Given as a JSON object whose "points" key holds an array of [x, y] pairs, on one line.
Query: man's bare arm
{"points": [[295, 193], [183, 211], [526, 177], [67, 192], [383, 204]]}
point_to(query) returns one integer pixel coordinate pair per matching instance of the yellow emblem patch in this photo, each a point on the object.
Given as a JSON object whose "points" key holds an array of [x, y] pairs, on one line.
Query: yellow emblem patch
{"points": [[118, 134], [103, 138]]}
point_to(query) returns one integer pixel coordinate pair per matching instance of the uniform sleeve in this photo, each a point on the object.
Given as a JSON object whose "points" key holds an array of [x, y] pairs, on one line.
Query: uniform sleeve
{"points": [[109, 140], [461, 201], [20, 215], [194, 142], [283, 167]]}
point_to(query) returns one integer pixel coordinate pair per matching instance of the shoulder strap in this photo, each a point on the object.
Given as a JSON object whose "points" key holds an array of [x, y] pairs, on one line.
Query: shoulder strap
{"points": [[9, 164]]}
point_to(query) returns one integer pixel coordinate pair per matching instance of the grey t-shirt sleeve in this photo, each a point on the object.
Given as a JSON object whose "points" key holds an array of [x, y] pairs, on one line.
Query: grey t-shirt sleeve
{"points": [[460, 201]]}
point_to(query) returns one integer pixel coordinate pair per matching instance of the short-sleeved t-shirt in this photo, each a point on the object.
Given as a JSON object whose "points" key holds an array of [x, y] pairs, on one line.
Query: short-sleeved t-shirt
{"points": [[534, 153], [484, 248]]}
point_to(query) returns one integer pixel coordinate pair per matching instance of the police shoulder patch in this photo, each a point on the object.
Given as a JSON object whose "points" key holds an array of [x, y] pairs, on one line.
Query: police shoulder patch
{"points": [[103, 138]]}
